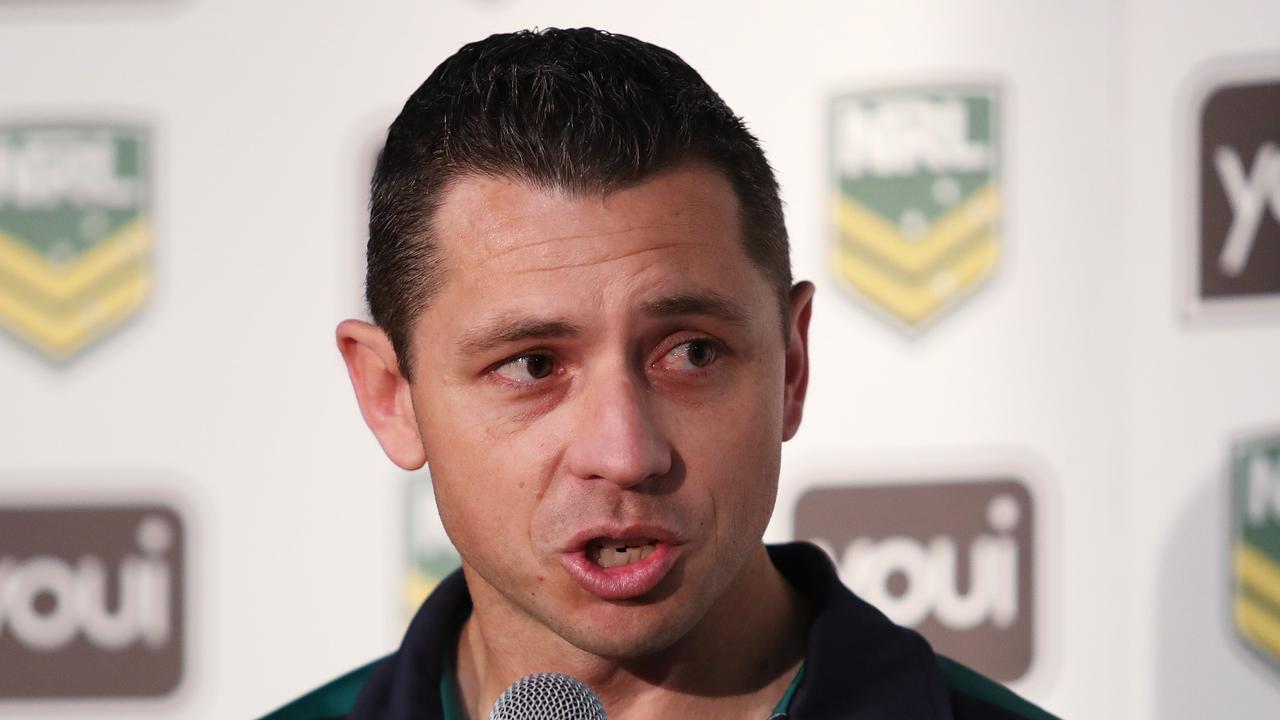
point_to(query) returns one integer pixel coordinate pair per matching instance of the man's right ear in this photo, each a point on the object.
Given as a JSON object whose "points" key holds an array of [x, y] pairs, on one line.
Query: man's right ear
{"points": [[381, 391]]}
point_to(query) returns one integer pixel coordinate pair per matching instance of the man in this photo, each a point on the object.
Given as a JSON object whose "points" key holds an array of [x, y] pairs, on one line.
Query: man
{"points": [[585, 322]]}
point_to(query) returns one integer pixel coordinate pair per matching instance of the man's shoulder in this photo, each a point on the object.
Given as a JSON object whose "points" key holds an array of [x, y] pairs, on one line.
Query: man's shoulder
{"points": [[888, 669], [370, 690], [330, 701], [861, 664], [973, 696]]}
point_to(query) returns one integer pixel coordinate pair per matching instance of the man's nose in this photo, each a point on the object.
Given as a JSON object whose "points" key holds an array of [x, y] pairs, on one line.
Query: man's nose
{"points": [[617, 437]]}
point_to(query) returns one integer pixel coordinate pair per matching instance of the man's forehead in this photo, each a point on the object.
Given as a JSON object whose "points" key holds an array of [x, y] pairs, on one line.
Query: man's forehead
{"points": [[521, 261], [485, 219]]}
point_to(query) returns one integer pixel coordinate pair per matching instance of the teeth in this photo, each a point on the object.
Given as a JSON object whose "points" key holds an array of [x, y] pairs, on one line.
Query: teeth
{"points": [[615, 553]]}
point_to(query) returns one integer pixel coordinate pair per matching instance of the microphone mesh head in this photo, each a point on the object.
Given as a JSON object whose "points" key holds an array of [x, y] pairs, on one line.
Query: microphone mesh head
{"points": [[547, 696]]}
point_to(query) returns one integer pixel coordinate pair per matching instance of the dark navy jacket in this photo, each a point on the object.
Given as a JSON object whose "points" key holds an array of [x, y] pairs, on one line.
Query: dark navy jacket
{"points": [[858, 665]]}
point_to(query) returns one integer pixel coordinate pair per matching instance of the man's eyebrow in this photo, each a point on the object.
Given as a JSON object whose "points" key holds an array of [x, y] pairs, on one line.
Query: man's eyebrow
{"points": [[508, 329], [710, 304]]}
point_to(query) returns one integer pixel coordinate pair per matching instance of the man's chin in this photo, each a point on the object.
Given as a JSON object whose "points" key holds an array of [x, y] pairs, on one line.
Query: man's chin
{"points": [[623, 640]]}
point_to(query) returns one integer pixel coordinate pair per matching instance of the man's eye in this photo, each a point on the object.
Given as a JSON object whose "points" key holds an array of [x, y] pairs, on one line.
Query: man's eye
{"points": [[526, 368], [691, 355]]}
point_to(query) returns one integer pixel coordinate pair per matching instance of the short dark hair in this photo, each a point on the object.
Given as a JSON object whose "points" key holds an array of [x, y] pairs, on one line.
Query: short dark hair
{"points": [[576, 109]]}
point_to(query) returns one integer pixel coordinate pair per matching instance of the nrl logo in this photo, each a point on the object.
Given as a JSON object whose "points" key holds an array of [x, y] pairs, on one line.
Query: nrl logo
{"points": [[75, 236], [1255, 514], [917, 202]]}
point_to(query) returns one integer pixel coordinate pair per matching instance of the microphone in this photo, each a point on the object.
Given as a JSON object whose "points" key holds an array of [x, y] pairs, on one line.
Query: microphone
{"points": [[547, 696]]}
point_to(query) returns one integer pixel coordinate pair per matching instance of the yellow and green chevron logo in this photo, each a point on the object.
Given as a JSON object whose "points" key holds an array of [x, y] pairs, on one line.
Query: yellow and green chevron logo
{"points": [[1255, 478], [75, 236], [917, 202]]}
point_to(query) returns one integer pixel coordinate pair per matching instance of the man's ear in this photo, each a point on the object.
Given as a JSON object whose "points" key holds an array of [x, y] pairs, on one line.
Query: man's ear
{"points": [[796, 375], [381, 391]]}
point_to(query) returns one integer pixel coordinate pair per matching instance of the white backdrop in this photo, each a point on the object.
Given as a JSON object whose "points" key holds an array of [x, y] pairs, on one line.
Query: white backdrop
{"points": [[227, 391]]}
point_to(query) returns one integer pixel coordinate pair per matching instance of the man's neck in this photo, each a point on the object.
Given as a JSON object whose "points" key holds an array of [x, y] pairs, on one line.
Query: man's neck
{"points": [[735, 663]]}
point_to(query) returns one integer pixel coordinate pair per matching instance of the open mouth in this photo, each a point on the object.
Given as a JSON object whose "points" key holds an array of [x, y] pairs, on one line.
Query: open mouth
{"points": [[621, 564], [609, 553]]}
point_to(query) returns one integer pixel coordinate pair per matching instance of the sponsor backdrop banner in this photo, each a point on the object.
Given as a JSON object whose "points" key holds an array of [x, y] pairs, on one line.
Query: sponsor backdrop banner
{"points": [[1033, 194]]}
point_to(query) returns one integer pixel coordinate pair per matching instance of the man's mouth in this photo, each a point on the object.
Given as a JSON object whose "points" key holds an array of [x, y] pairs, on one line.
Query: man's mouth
{"points": [[609, 553], [621, 563]]}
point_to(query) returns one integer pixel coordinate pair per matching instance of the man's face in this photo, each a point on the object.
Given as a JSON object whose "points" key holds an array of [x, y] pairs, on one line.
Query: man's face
{"points": [[599, 373]]}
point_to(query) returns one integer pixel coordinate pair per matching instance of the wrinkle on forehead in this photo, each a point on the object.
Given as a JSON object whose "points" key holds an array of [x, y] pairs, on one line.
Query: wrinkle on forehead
{"points": [[610, 257], [493, 235], [592, 247]]}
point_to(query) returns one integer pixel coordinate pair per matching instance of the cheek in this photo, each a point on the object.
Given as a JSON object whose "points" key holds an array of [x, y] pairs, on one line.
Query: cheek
{"points": [[738, 449], [472, 502], [489, 487]]}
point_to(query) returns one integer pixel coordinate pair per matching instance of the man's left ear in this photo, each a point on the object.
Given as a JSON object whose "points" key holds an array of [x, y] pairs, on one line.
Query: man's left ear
{"points": [[796, 373], [381, 391]]}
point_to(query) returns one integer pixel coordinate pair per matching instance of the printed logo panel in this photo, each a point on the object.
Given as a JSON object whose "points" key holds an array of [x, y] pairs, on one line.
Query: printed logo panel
{"points": [[917, 200], [430, 554], [1255, 484], [1239, 174], [91, 601], [75, 231], [955, 561]]}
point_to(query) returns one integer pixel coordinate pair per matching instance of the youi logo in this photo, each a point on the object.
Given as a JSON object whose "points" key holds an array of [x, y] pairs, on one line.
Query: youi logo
{"points": [[954, 560], [1237, 174], [91, 601]]}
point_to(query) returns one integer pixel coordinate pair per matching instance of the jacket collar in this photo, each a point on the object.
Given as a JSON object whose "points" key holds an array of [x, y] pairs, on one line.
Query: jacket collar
{"points": [[858, 664], [406, 686]]}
